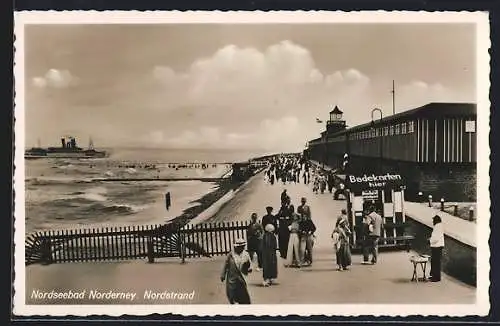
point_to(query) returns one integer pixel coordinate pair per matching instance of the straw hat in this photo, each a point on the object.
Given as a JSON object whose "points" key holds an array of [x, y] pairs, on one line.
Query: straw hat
{"points": [[240, 242]]}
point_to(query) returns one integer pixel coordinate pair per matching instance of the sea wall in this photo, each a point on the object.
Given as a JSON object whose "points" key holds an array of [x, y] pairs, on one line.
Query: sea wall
{"points": [[213, 209]]}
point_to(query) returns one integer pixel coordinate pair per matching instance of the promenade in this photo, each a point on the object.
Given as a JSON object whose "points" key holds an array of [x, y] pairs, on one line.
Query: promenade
{"points": [[387, 282]]}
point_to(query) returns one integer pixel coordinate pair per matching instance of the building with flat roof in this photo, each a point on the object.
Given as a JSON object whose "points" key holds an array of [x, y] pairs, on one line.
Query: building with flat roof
{"points": [[434, 146]]}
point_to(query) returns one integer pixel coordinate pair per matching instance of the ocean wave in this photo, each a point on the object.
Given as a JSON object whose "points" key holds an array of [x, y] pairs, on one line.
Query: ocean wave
{"points": [[120, 208], [66, 167], [40, 181]]}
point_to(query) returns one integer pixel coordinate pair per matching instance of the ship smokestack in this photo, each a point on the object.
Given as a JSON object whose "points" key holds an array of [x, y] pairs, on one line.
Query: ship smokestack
{"points": [[63, 142]]}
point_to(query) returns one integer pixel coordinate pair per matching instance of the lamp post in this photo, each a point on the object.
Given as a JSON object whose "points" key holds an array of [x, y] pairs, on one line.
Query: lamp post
{"points": [[381, 135]]}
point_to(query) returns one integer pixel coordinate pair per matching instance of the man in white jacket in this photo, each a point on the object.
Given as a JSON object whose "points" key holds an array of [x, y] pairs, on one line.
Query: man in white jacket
{"points": [[437, 244]]}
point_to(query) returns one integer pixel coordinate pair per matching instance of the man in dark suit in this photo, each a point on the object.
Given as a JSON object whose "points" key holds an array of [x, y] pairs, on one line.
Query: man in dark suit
{"points": [[269, 218], [306, 231]]}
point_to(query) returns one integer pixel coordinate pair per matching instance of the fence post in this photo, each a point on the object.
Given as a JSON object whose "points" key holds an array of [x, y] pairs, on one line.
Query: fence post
{"points": [[442, 204], [430, 200], [182, 248], [46, 251], [455, 210], [151, 254], [471, 213]]}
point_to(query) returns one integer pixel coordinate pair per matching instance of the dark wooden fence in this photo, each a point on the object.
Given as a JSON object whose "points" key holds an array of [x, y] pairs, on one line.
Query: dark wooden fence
{"points": [[132, 242], [146, 242]]}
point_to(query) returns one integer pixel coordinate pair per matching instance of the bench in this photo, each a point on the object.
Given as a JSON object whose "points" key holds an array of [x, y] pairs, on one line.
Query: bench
{"points": [[406, 239]]}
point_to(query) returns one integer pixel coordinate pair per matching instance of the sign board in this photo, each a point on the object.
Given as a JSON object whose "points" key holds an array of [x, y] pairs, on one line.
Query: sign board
{"points": [[357, 204], [369, 182], [369, 194], [470, 126]]}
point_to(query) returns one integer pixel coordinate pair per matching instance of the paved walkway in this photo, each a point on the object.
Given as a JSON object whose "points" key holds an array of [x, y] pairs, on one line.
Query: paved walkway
{"points": [[386, 282], [453, 226]]}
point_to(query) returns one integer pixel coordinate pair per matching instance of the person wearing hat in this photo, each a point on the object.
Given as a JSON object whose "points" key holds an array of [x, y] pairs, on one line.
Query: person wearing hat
{"points": [[304, 210], [236, 268], [436, 242], [342, 216], [341, 235], [306, 229], [285, 199], [375, 232], [293, 258], [255, 232], [269, 258], [269, 218]]}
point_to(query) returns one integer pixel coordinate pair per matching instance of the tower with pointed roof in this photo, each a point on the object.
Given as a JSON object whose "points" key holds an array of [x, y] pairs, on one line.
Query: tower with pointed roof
{"points": [[336, 122]]}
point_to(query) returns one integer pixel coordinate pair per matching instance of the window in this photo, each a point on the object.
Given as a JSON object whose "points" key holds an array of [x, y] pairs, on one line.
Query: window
{"points": [[403, 128], [391, 130], [410, 127], [398, 129], [386, 131]]}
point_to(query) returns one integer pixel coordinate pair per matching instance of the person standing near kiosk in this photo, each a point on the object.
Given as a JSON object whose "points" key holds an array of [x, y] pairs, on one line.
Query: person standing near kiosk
{"points": [[375, 231]]}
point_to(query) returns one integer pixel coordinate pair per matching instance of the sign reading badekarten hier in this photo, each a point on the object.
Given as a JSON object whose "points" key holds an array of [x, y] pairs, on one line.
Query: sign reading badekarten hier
{"points": [[373, 181]]}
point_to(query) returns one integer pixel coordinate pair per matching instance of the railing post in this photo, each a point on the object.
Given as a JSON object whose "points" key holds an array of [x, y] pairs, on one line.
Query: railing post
{"points": [[430, 200], [46, 248], [442, 204], [420, 197], [151, 254], [182, 248], [471, 213], [455, 210]]}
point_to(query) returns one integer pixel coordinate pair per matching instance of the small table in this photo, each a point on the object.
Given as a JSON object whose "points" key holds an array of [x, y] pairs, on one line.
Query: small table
{"points": [[421, 260]]}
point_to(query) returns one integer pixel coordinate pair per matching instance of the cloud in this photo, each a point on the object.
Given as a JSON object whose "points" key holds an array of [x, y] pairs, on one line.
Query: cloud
{"points": [[55, 78], [245, 97], [238, 97], [283, 134], [418, 93], [259, 84]]}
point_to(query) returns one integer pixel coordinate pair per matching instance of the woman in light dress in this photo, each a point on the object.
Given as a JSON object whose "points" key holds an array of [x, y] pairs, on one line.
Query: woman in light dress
{"points": [[293, 258]]}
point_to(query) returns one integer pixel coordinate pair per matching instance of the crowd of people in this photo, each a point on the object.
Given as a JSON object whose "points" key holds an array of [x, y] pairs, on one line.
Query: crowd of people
{"points": [[291, 234]]}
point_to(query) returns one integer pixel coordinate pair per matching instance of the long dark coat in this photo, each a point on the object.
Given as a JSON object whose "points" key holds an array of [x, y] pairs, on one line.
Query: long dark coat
{"points": [[269, 258]]}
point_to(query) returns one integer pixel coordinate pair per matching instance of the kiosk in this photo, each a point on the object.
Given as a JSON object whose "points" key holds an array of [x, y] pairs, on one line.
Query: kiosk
{"points": [[385, 193]]}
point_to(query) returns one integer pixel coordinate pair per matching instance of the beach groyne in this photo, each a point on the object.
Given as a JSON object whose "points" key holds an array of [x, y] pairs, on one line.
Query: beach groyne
{"points": [[155, 179]]}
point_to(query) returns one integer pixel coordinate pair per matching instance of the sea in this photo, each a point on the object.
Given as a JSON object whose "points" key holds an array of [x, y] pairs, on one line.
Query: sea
{"points": [[63, 193]]}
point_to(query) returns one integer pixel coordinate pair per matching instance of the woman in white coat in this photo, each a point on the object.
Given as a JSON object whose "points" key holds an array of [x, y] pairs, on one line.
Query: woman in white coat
{"points": [[293, 258], [437, 244]]}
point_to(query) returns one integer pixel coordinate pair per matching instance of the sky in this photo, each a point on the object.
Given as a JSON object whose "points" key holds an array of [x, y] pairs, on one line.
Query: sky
{"points": [[239, 86]]}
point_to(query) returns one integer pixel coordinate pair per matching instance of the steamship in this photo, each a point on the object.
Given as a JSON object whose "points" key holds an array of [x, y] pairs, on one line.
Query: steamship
{"points": [[68, 149]]}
